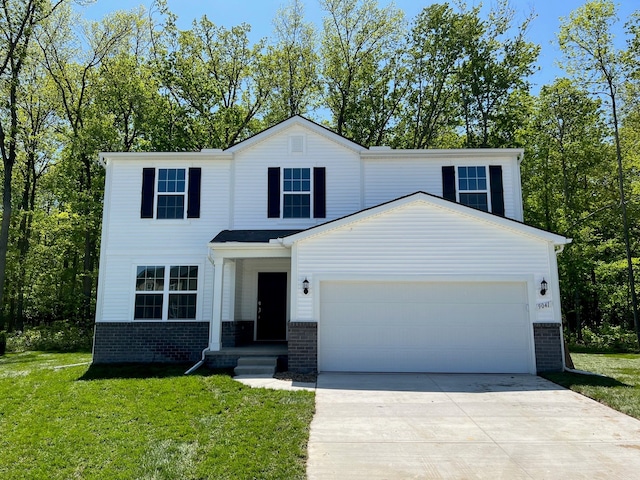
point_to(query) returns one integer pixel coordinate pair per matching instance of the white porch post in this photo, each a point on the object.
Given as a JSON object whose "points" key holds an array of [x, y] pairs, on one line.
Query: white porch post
{"points": [[232, 290], [216, 321]]}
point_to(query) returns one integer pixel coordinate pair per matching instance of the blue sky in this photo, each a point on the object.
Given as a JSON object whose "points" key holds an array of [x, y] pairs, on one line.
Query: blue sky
{"points": [[260, 13]]}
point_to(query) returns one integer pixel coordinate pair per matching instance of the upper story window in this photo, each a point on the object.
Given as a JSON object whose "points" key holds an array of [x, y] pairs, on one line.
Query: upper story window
{"points": [[297, 193], [301, 192], [478, 187], [168, 192], [166, 293], [171, 190], [472, 187]]}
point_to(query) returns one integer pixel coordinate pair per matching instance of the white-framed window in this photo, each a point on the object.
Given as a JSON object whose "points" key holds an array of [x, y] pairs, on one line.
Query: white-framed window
{"points": [[170, 202], [473, 187], [166, 292], [170, 193], [296, 193]]}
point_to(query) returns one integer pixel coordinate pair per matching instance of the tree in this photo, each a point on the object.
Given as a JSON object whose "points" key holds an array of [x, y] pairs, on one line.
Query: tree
{"points": [[587, 43], [18, 19], [435, 47], [492, 76], [360, 46], [563, 174], [295, 64], [216, 79], [74, 72], [38, 144]]}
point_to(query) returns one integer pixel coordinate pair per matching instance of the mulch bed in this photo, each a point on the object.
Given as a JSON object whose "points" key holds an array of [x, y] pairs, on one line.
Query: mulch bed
{"points": [[297, 377]]}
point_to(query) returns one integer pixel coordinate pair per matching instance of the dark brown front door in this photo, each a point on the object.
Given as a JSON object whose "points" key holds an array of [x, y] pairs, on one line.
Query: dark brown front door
{"points": [[272, 306]]}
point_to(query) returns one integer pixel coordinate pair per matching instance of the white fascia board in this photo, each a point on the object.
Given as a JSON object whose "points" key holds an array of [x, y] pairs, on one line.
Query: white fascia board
{"points": [[133, 156], [301, 121], [458, 153], [248, 250], [439, 202]]}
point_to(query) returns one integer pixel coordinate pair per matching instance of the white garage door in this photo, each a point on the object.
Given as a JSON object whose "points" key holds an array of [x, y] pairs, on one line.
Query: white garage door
{"points": [[424, 327]]}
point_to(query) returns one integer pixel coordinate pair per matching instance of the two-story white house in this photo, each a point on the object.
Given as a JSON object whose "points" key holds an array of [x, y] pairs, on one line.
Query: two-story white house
{"points": [[357, 259]]}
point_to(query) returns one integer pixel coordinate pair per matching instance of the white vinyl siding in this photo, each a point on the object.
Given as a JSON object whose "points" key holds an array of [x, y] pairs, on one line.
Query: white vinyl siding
{"points": [[119, 280], [128, 232], [250, 179], [386, 179], [418, 240], [129, 241]]}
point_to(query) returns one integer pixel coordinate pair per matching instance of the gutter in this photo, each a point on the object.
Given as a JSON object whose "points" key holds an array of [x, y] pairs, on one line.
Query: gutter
{"points": [[199, 364]]}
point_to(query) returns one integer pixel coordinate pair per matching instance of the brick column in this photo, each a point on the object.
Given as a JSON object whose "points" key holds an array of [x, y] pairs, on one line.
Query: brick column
{"points": [[548, 345], [303, 347]]}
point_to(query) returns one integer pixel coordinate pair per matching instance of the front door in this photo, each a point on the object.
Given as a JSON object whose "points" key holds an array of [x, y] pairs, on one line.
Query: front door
{"points": [[272, 306]]}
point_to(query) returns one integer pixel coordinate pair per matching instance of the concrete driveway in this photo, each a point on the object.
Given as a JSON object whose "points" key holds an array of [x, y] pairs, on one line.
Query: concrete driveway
{"points": [[389, 426]]}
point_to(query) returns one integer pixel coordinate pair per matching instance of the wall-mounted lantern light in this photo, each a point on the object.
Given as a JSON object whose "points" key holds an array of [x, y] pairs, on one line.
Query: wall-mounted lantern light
{"points": [[543, 287], [305, 286]]}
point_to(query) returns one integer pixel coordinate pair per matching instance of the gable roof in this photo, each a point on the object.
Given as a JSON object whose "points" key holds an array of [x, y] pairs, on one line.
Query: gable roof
{"points": [[362, 215], [289, 122]]}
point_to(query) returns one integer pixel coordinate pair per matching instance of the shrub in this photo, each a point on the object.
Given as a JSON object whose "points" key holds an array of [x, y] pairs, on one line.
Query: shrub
{"points": [[607, 338], [58, 337], [3, 343]]}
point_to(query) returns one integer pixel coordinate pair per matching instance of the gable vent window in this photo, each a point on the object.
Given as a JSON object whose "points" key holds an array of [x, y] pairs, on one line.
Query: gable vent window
{"points": [[296, 144]]}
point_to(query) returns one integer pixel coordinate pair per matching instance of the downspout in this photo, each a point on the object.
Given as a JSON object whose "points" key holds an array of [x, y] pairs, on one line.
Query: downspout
{"points": [[199, 364], [582, 372], [558, 250], [204, 352]]}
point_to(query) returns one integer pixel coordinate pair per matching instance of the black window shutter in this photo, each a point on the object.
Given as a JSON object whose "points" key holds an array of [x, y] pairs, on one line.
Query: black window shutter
{"points": [[319, 192], [193, 195], [497, 192], [148, 186], [449, 183], [273, 195]]}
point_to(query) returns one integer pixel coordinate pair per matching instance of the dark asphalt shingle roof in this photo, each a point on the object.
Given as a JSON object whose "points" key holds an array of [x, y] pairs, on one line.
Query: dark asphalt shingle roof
{"points": [[252, 236]]}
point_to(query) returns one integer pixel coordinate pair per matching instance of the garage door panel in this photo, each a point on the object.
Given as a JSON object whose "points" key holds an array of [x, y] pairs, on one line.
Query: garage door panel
{"points": [[405, 326], [441, 292]]}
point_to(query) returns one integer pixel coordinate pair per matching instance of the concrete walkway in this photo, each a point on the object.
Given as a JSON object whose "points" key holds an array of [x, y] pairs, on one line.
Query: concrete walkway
{"points": [[397, 426]]}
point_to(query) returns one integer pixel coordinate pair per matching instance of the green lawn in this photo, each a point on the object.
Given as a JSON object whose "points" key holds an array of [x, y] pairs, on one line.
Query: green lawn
{"points": [[144, 422], [620, 386]]}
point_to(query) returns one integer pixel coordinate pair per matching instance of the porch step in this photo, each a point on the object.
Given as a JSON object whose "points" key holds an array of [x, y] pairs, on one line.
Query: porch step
{"points": [[260, 366]]}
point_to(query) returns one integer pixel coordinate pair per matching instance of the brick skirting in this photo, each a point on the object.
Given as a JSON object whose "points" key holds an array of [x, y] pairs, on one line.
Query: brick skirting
{"points": [[548, 344], [303, 347], [237, 334], [162, 342]]}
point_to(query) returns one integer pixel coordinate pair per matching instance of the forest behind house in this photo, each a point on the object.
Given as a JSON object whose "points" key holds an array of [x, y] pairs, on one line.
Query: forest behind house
{"points": [[452, 77]]}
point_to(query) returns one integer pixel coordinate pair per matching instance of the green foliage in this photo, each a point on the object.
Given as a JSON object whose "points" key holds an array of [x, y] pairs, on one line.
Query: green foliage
{"points": [[3, 342], [607, 338], [60, 336], [64, 420]]}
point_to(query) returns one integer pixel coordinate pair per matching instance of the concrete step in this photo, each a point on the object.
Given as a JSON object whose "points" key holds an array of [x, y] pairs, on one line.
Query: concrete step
{"points": [[255, 370], [256, 366], [258, 361]]}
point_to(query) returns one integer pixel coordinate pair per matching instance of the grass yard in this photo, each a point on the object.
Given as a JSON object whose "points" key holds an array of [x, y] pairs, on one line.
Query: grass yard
{"points": [[146, 422], [619, 388]]}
